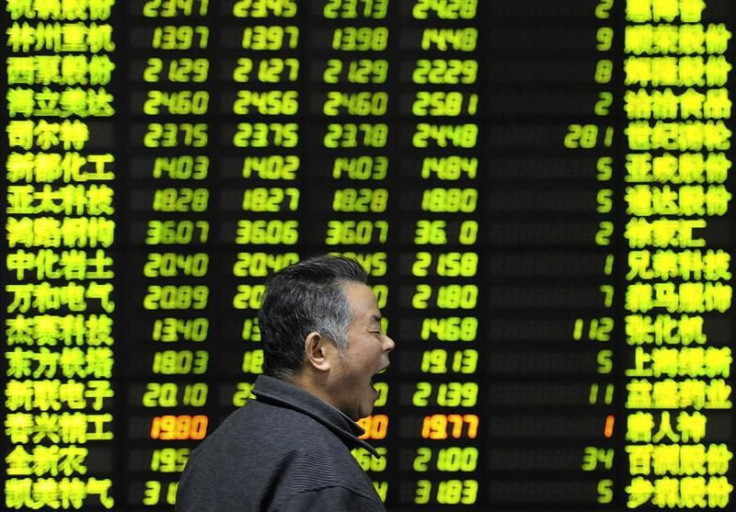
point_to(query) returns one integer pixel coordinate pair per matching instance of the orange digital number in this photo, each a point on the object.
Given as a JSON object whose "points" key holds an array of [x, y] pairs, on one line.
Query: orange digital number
{"points": [[179, 428]]}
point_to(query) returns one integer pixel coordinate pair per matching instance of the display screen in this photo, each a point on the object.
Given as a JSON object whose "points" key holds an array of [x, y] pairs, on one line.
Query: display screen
{"points": [[538, 189]]}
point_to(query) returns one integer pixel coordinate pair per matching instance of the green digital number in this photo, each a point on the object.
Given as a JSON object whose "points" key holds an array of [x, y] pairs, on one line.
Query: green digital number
{"points": [[267, 232], [263, 199], [171, 135], [457, 458], [361, 168], [165, 232], [249, 296], [261, 135], [182, 37], [169, 460], [171, 330], [176, 103], [270, 37], [181, 70], [174, 8], [356, 232], [181, 199], [355, 104], [168, 297], [445, 9], [450, 200], [271, 167], [363, 39], [180, 362], [360, 71], [360, 200], [445, 71], [185, 167], [265, 8], [352, 135], [171, 264], [349, 9], [253, 361]]}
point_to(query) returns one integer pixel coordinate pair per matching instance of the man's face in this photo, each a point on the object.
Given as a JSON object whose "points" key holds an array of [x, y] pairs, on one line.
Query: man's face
{"points": [[366, 354]]}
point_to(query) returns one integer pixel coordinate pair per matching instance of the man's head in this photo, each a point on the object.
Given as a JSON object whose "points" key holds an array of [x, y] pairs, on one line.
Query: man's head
{"points": [[320, 328]]}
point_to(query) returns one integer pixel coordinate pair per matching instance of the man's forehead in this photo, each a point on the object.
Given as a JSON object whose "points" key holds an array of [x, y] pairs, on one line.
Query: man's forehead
{"points": [[361, 296]]}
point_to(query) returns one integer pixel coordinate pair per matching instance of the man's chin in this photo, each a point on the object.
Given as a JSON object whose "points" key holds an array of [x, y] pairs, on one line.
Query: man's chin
{"points": [[365, 410]]}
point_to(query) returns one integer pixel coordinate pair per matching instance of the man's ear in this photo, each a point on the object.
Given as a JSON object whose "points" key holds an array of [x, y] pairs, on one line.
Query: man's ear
{"points": [[318, 351]]}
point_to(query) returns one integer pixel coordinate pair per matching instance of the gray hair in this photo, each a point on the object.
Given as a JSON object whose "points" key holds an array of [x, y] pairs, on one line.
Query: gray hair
{"points": [[303, 298]]}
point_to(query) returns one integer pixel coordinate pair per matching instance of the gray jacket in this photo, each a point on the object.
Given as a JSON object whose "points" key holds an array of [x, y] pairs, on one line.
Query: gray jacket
{"points": [[284, 451]]}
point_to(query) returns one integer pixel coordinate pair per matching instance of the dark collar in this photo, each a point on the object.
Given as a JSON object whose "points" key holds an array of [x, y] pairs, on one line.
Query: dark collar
{"points": [[276, 391]]}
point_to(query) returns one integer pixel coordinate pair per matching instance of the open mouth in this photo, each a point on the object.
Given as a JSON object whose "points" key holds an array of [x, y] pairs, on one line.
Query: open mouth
{"points": [[372, 383]]}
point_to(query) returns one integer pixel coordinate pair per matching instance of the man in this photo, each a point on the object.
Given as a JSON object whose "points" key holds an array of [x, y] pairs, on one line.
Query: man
{"points": [[288, 449]]}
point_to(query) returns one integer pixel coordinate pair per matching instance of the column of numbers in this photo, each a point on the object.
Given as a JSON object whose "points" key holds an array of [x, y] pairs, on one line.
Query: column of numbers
{"points": [[443, 105], [265, 193], [355, 104], [174, 102]]}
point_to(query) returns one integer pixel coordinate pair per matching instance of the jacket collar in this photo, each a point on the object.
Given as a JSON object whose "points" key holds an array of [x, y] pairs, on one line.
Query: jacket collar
{"points": [[276, 391]]}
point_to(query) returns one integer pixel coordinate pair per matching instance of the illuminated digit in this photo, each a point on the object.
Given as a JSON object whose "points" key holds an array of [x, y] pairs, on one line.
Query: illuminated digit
{"points": [[603, 71], [604, 36]]}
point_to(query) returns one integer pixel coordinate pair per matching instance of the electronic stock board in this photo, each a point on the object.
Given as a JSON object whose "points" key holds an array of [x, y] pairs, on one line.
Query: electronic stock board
{"points": [[539, 190]]}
